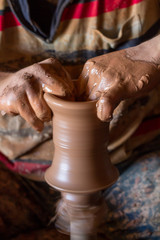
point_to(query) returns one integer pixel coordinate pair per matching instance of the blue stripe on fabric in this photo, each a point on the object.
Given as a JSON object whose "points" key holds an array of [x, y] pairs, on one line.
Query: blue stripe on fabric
{"points": [[82, 56], [5, 10]]}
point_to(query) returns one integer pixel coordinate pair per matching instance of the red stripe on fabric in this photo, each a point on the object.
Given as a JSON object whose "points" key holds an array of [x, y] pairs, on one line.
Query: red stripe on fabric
{"points": [[22, 167], [148, 126], [95, 8], [8, 20]]}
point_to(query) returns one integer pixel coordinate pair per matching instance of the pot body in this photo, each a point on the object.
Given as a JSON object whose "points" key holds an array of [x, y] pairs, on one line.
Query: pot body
{"points": [[81, 163]]}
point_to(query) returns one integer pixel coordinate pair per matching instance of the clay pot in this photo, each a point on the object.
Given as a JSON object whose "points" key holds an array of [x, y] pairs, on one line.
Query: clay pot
{"points": [[81, 163]]}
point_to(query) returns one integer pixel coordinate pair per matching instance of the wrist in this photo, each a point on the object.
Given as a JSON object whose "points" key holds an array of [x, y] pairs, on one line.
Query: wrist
{"points": [[4, 75], [148, 51]]}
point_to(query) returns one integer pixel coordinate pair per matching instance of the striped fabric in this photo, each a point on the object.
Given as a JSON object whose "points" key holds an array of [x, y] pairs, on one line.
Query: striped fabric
{"points": [[7, 19], [87, 28], [86, 9]]}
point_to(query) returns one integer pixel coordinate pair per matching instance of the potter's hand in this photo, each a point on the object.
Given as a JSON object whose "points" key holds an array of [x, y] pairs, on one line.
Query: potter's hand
{"points": [[22, 92], [120, 75]]}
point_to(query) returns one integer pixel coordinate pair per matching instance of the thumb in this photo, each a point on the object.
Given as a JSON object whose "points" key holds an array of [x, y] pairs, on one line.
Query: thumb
{"points": [[60, 90], [105, 107]]}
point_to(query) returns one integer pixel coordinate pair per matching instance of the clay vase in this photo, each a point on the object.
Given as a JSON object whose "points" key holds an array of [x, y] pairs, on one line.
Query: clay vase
{"points": [[81, 166]]}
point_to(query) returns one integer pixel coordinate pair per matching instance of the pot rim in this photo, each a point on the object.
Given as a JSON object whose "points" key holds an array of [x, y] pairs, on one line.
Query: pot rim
{"points": [[54, 100]]}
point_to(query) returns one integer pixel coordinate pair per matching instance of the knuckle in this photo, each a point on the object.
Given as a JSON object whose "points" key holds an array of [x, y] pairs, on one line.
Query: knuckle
{"points": [[91, 61], [52, 59], [47, 60], [36, 66], [26, 76], [89, 65]]}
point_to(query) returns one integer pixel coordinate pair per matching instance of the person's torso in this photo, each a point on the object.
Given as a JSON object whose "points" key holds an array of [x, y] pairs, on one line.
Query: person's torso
{"points": [[86, 29]]}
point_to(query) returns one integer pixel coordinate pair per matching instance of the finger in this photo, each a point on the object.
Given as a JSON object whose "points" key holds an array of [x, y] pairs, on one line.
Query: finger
{"points": [[60, 89], [37, 102], [40, 108], [94, 92], [55, 88], [84, 78], [55, 79], [105, 107], [25, 110], [7, 104]]}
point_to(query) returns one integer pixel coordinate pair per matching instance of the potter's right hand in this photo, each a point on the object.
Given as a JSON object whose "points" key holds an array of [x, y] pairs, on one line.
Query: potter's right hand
{"points": [[116, 76], [22, 92]]}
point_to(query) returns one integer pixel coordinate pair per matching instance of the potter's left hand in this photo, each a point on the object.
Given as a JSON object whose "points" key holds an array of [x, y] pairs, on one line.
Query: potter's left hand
{"points": [[120, 75], [22, 92]]}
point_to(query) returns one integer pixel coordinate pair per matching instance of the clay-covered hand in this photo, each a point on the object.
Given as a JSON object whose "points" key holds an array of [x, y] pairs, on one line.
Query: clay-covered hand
{"points": [[117, 76], [22, 92]]}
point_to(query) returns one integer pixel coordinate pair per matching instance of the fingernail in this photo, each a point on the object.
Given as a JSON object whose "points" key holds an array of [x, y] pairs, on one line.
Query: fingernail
{"points": [[100, 111]]}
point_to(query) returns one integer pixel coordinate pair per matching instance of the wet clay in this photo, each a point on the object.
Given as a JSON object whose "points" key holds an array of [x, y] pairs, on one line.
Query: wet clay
{"points": [[81, 165], [22, 92], [81, 162], [120, 75]]}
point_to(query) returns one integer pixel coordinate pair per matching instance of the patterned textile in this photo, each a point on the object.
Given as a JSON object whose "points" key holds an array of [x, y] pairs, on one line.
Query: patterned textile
{"points": [[86, 28], [134, 201], [26, 207]]}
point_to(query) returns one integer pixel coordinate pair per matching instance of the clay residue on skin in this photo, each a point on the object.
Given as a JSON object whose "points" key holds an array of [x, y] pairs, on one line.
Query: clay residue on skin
{"points": [[109, 78], [22, 92], [114, 77], [148, 51], [56, 79]]}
